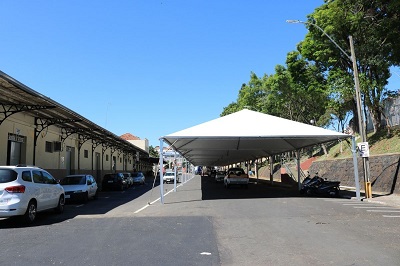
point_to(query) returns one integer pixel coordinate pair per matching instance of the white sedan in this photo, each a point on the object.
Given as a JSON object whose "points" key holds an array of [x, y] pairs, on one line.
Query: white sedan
{"points": [[236, 176], [169, 177], [79, 187]]}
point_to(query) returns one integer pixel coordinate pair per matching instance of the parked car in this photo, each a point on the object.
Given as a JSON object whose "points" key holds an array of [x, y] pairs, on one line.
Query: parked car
{"points": [[169, 177], [236, 176], [213, 172], [114, 181], [79, 187], [138, 178], [219, 176], [25, 191], [129, 179]]}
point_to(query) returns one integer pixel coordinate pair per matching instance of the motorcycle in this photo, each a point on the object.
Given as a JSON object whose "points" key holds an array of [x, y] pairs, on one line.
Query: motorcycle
{"points": [[319, 186]]}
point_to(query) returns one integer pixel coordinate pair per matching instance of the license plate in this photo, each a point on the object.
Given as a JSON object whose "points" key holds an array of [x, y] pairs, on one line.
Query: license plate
{"points": [[110, 181], [67, 196]]}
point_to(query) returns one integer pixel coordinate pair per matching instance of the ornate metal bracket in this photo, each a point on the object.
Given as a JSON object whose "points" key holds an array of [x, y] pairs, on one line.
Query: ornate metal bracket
{"points": [[9, 109]]}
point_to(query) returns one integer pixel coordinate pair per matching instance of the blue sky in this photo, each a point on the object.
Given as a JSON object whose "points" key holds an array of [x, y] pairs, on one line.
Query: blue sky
{"points": [[147, 67]]}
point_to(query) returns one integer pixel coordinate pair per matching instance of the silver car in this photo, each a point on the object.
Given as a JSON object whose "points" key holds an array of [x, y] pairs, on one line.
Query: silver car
{"points": [[79, 187], [236, 176], [219, 176]]}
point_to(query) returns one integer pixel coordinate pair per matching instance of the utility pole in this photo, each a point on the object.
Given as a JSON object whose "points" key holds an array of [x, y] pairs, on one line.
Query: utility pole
{"points": [[361, 120]]}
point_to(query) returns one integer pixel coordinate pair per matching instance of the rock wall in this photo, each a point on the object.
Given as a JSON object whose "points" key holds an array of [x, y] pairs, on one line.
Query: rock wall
{"points": [[384, 172]]}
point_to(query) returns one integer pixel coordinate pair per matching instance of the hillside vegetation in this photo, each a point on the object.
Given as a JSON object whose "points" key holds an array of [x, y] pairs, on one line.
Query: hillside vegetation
{"points": [[379, 143]]}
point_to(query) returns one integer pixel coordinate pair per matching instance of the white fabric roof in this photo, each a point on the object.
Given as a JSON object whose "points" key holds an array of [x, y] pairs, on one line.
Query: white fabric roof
{"points": [[243, 136]]}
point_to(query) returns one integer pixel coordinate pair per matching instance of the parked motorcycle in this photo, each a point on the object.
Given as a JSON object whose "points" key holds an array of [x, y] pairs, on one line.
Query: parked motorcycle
{"points": [[319, 186]]}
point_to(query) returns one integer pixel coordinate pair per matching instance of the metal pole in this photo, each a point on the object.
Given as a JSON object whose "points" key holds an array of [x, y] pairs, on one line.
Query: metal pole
{"points": [[256, 169], [361, 119], [271, 169], [356, 180], [175, 177], [298, 169], [161, 171]]}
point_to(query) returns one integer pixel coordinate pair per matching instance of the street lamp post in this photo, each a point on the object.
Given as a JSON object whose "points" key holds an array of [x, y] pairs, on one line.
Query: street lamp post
{"points": [[361, 120]]}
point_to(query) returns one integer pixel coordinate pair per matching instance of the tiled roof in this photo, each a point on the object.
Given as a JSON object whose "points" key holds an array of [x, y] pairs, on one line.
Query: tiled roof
{"points": [[129, 136]]}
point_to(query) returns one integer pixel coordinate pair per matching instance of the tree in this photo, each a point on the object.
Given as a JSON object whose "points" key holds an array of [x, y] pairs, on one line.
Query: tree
{"points": [[372, 25], [152, 152], [297, 92]]}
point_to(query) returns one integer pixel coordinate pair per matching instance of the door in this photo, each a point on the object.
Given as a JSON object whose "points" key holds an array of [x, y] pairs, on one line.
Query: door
{"points": [[69, 160], [14, 153]]}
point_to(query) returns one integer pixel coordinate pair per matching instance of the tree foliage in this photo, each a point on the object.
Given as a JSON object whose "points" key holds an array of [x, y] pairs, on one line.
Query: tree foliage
{"points": [[152, 152], [317, 81], [371, 24]]}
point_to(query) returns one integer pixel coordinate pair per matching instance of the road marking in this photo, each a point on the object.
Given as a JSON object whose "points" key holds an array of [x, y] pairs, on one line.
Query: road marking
{"points": [[374, 207], [151, 203], [391, 216], [338, 200], [382, 211], [205, 253], [358, 204]]}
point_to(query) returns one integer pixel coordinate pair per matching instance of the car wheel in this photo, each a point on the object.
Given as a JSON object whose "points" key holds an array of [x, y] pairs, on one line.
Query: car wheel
{"points": [[60, 205], [31, 212]]}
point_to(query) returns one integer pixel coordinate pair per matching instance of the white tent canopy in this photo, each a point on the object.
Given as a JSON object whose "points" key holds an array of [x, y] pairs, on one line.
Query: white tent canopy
{"points": [[244, 136]]}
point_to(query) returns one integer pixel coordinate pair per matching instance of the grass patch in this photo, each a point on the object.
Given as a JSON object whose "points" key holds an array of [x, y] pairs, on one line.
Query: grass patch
{"points": [[379, 143]]}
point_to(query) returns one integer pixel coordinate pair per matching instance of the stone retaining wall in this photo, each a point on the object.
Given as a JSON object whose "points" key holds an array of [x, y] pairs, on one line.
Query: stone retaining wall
{"points": [[384, 172]]}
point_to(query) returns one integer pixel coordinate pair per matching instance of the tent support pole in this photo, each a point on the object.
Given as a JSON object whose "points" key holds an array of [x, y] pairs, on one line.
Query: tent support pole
{"points": [[256, 169], [355, 163], [161, 171], [271, 169], [176, 176], [298, 168]]}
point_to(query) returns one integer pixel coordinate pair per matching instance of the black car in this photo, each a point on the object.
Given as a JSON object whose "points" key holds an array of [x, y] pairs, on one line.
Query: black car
{"points": [[114, 181]]}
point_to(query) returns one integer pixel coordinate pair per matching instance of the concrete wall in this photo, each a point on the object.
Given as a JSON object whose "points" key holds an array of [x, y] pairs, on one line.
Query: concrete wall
{"points": [[384, 172]]}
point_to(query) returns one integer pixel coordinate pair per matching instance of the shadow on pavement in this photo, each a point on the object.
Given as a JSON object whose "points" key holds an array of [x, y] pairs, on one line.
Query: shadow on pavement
{"points": [[107, 201], [213, 191]]}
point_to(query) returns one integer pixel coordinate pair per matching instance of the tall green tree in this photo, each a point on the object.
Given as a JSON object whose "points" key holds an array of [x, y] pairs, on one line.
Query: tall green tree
{"points": [[297, 92], [372, 25]]}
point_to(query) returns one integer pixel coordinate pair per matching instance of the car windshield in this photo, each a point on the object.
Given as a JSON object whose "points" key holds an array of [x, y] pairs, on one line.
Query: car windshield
{"points": [[135, 174], [169, 174], [220, 172], [73, 180]]}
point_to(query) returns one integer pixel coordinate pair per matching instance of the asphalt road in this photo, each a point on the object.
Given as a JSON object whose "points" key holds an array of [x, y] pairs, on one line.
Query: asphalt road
{"points": [[202, 223]]}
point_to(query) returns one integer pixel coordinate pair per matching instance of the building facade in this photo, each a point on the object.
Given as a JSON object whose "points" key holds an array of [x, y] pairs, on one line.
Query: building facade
{"points": [[35, 130]]}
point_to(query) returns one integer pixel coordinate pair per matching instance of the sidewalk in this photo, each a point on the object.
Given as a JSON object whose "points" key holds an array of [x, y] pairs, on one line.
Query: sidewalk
{"points": [[392, 200]]}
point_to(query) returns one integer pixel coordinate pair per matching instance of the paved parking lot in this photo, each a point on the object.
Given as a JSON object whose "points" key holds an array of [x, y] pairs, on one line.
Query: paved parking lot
{"points": [[204, 224]]}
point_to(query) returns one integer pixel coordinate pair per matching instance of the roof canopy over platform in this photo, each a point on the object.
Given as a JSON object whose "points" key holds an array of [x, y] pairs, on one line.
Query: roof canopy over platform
{"points": [[245, 135]]}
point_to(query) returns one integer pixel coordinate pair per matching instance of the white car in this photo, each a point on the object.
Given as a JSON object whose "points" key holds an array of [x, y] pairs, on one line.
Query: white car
{"points": [[169, 177], [79, 187], [24, 191], [236, 176]]}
